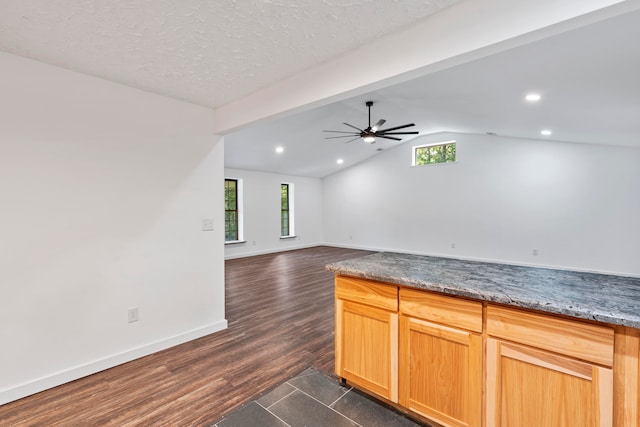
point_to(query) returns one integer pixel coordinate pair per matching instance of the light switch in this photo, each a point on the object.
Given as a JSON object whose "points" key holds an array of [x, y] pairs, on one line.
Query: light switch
{"points": [[133, 315], [207, 224]]}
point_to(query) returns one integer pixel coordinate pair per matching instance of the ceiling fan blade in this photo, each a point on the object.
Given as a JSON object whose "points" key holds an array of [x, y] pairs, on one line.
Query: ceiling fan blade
{"points": [[378, 125], [341, 131], [388, 137], [352, 126], [343, 136], [395, 128], [346, 142], [398, 133]]}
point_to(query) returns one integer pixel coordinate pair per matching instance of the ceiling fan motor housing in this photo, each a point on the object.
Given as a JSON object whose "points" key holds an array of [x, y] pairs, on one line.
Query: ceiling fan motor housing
{"points": [[370, 134]]}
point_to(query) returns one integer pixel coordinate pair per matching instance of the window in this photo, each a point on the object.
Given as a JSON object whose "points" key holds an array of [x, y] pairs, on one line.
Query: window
{"points": [[232, 210], [286, 210], [434, 153]]}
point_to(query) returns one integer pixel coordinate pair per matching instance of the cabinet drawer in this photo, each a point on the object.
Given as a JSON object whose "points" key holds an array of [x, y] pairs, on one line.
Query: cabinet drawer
{"points": [[367, 292], [585, 341], [451, 311]]}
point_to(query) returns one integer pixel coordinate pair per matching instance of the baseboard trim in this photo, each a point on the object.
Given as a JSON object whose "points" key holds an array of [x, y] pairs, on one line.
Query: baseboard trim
{"points": [[80, 371], [271, 251]]}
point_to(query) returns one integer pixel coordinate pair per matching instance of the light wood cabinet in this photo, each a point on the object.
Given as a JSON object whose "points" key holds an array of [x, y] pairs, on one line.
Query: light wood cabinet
{"points": [[465, 363], [367, 335], [580, 340], [441, 364], [547, 371], [626, 377]]}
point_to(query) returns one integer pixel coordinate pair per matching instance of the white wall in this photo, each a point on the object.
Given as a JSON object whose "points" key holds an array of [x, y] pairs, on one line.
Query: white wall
{"points": [[577, 204], [262, 213], [103, 189]]}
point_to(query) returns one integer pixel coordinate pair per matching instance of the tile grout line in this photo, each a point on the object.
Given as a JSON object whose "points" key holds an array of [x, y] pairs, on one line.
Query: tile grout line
{"points": [[337, 400], [343, 395], [279, 400], [294, 389], [266, 408], [322, 403], [274, 415]]}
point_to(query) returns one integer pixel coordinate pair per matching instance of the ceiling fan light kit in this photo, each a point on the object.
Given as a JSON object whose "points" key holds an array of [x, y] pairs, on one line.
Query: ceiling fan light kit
{"points": [[369, 138], [370, 133]]}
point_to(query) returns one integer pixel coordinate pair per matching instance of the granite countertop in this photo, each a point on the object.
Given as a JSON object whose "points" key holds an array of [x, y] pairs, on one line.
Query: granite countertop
{"points": [[605, 298]]}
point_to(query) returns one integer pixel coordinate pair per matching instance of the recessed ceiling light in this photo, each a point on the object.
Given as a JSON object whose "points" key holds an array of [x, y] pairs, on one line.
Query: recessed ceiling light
{"points": [[545, 132], [340, 161], [279, 149], [533, 97]]}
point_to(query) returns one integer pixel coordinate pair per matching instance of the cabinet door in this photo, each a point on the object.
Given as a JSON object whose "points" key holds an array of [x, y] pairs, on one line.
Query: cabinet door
{"points": [[532, 388], [441, 372], [367, 347]]}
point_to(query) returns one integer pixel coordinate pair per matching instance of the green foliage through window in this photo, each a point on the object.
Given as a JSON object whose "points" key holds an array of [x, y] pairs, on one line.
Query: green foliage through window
{"points": [[230, 210], [284, 210], [432, 154]]}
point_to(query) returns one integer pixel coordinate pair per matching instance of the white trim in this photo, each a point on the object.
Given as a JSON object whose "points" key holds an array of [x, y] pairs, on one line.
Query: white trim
{"points": [[292, 211], [240, 201], [68, 375], [435, 164], [240, 204], [234, 242], [275, 250]]}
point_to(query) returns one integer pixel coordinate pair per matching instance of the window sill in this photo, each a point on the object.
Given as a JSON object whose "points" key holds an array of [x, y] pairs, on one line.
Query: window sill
{"points": [[235, 242], [435, 164], [288, 237]]}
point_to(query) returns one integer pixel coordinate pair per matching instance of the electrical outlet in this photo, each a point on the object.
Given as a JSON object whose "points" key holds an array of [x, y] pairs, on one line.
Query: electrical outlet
{"points": [[534, 252], [133, 315]]}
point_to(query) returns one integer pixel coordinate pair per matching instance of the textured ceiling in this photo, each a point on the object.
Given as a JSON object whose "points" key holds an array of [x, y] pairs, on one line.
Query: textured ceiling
{"points": [[207, 52]]}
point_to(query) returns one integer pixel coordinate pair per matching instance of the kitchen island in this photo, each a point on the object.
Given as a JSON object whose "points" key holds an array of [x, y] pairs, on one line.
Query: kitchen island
{"points": [[467, 343]]}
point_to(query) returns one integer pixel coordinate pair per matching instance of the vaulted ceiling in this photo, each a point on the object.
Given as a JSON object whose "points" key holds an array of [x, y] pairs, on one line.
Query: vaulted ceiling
{"points": [[214, 52], [588, 80]]}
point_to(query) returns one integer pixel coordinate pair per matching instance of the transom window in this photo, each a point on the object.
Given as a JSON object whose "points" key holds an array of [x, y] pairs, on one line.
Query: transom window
{"points": [[431, 154]]}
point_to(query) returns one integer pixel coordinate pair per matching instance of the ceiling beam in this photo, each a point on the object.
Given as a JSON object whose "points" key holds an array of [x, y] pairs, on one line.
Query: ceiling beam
{"points": [[466, 31]]}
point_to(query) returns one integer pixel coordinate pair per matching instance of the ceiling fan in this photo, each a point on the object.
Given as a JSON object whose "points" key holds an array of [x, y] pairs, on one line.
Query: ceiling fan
{"points": [[372, 132]]}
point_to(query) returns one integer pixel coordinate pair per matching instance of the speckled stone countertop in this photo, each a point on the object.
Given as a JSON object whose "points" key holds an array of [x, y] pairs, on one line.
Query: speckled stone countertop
{"points": [[601, 297]]}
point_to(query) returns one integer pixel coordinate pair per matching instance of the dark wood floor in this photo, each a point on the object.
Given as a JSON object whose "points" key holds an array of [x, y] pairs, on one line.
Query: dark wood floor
{"points": [[280, 313]]}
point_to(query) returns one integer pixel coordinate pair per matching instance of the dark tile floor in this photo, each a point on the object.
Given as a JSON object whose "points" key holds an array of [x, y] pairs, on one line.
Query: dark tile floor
{"points": [[313, 399]]}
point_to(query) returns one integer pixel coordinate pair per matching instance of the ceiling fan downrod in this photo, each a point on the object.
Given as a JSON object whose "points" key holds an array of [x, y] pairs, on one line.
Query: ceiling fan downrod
{"points": [[368, 135]]}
